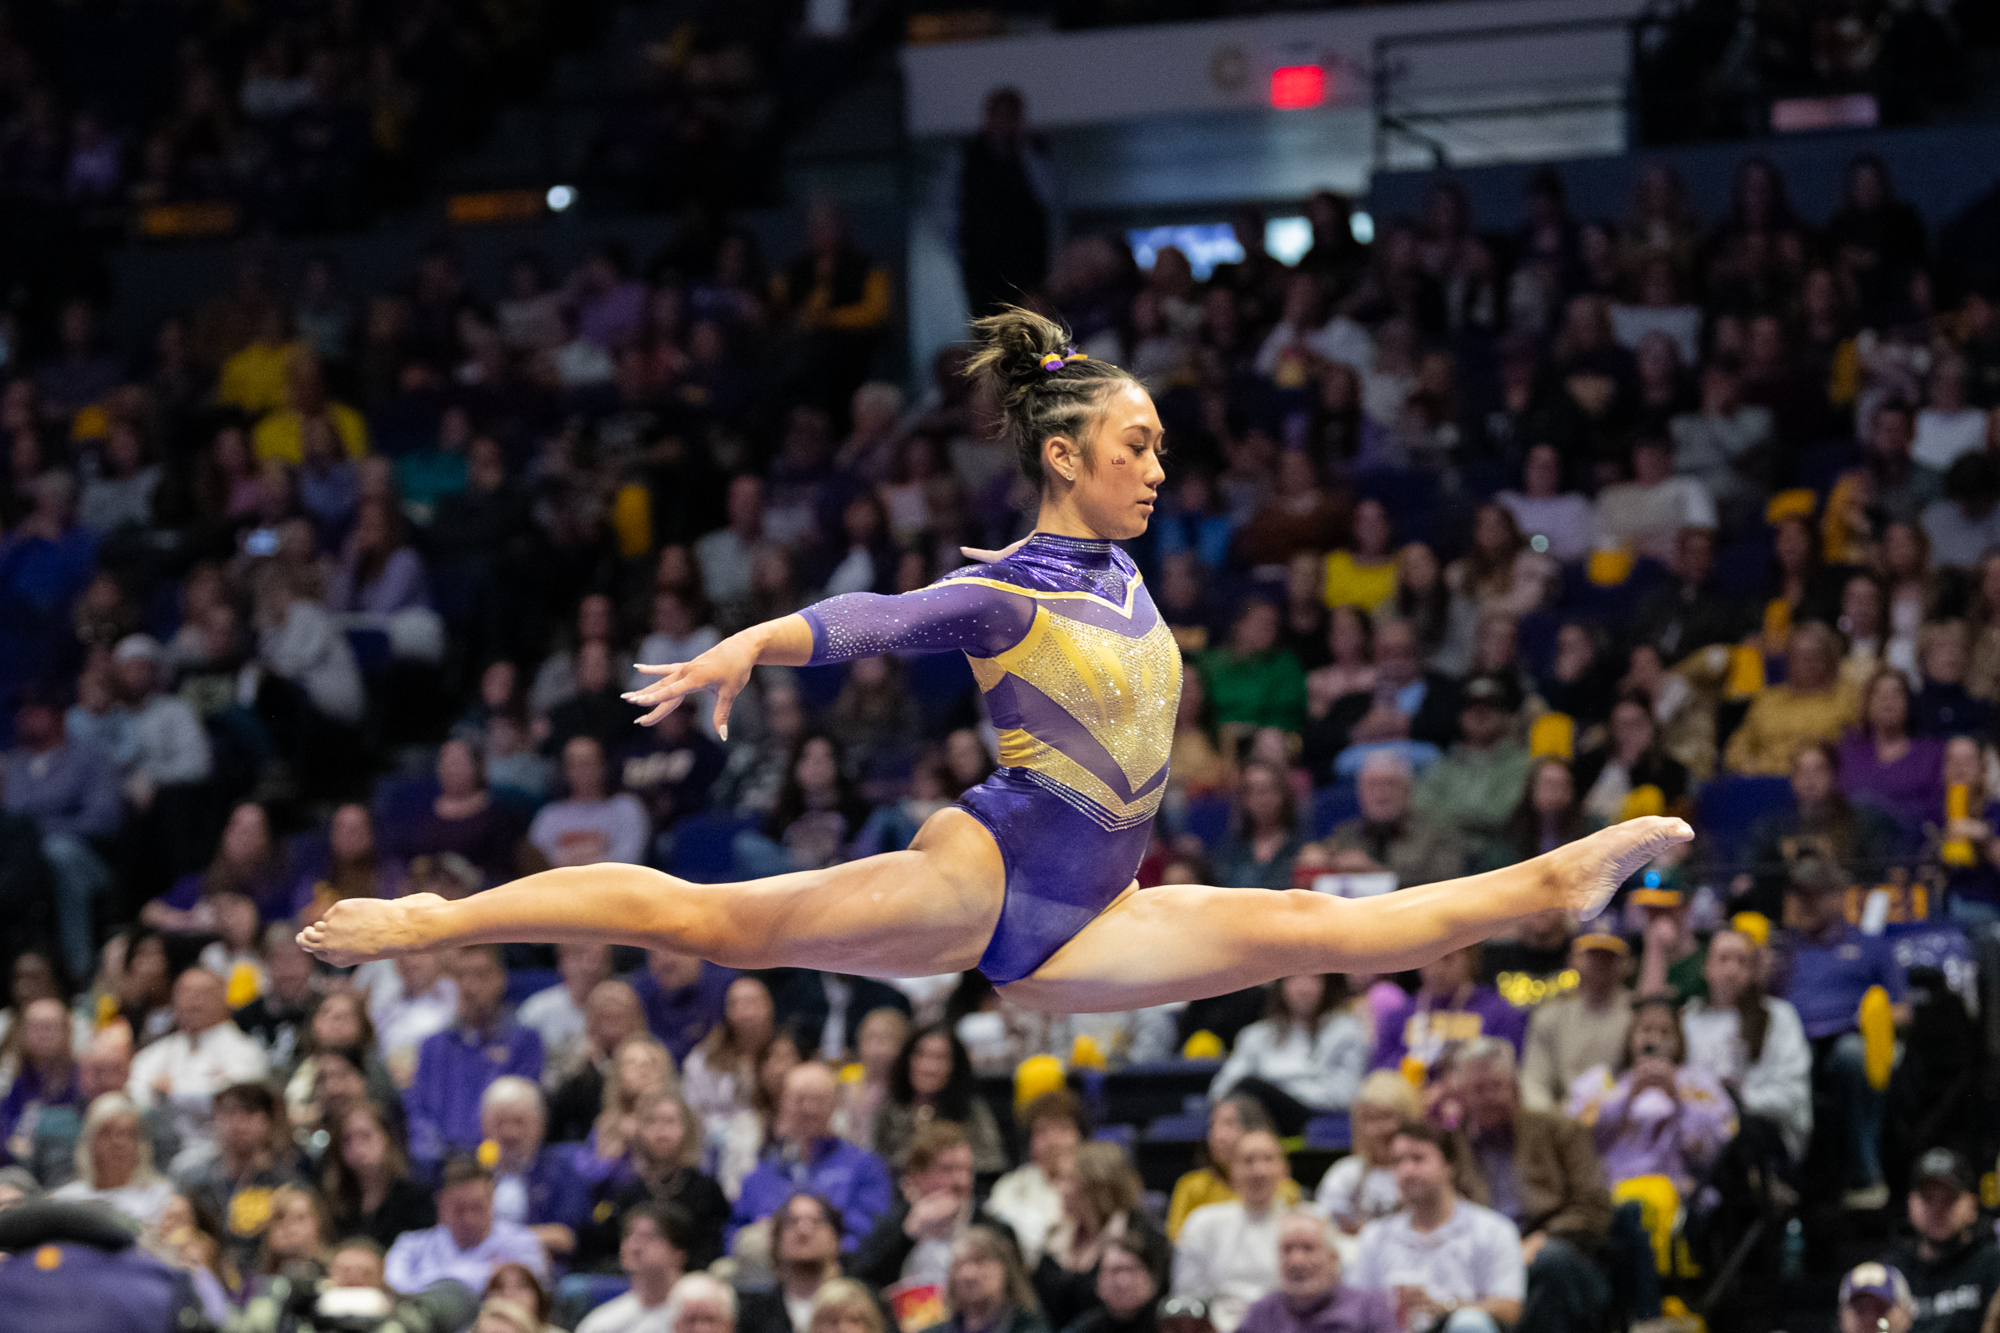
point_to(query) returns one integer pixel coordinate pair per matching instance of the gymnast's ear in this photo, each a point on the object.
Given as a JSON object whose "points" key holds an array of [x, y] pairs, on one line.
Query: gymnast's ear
{"points": [[1064, 459]]}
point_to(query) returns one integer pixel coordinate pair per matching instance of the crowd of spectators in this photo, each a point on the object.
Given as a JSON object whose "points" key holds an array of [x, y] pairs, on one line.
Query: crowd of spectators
{"points": [[1475, 538], [314, 117]]}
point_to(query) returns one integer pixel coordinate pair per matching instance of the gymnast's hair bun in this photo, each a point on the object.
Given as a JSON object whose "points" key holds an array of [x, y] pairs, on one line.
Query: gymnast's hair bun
{"points": [[1046, 387]]}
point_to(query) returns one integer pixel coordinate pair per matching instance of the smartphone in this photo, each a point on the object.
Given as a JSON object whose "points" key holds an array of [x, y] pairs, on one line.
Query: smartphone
{"points": [[261, 542]]}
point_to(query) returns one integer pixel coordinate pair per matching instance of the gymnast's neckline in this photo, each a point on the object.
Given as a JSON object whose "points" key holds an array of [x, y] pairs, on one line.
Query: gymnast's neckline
{"points": [[1095, 544]]}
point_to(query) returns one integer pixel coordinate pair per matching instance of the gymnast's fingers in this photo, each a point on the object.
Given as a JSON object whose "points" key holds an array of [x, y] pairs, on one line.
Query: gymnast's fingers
{"points": [[660, 712], [724, 697], [671, 685]]}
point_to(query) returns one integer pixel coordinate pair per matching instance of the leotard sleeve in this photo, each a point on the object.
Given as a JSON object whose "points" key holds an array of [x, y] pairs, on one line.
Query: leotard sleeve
{"points": [[974, 618]]}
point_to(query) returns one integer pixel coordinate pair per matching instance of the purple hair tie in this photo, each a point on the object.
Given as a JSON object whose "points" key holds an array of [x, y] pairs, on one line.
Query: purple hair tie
{"points": [[1055, 361]]}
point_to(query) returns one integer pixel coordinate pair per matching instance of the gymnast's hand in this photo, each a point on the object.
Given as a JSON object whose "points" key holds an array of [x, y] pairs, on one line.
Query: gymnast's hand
{"points": [[724, 668]]}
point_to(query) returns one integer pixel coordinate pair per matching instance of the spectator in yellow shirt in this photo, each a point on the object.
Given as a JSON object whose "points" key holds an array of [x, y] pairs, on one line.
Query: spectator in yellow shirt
{"points": [[1229, 1120], [1812, 705], [280, 435], [253, 380], [1366, 576]]}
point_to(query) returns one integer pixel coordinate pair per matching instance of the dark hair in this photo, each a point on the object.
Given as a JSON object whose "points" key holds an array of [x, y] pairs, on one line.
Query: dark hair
{"points": [[1524, 826], [781, 1216], [1837, 837], [1150, 1247], [338, 1184], [1250, 1114], [954, 1100], [676, 1228], [1423, 1131], [1288, 812], [542, 1297], [462, 1169], [1038, 404], [1668, 1001], [256, 1098], [1972, 480], [1332, 995], [791, 802], [310, 1046]]}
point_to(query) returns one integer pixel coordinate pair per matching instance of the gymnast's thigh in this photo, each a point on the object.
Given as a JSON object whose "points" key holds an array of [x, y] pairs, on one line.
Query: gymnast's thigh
{"points": [[1177, 942], [918, 912]]}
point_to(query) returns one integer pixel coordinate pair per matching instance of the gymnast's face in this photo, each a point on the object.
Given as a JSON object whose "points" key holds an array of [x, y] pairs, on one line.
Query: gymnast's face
{"points": [[1114, 477]]}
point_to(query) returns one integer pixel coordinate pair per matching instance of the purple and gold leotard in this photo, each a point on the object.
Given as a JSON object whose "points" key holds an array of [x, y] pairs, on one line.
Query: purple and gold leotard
{"points": [[1082, 679]]}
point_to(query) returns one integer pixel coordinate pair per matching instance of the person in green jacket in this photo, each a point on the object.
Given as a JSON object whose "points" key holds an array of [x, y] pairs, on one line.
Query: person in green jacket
{"points": [[1476, 785], [1251, 681]]}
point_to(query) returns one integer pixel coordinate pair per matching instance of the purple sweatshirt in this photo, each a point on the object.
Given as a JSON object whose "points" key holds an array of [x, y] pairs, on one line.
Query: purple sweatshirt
{"points": [[1424, 1024]]}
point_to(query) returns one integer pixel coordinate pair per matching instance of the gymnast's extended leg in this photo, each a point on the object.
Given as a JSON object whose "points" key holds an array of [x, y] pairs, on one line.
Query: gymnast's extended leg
{"points": [[918, 912], [1187, 942]]}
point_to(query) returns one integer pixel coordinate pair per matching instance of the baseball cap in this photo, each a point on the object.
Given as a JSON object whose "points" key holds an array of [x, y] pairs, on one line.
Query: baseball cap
{"points": [[1945, 1165], [1604, 941], [1491, 689], [1877, 1280]]}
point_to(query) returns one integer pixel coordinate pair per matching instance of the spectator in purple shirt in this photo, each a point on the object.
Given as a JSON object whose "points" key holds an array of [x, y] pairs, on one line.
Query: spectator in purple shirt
{"points": [[610, 307], [379, 573], [682, 998], [1883, 765], [455, 1067], [1824, 966], [45, 1081], [46, 561], [468, 1242], [805, 1154], [1447, 1010], [1311, 1297], [71, 792], [533, 1183]]}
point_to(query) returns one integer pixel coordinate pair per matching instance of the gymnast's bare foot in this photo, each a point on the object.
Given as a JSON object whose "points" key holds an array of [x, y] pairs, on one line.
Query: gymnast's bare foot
{"points": [[1585, 873], [358, 930]]}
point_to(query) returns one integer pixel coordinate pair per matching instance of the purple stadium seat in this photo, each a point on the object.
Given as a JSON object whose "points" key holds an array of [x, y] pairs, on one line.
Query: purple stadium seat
{"points": [[1729, 807]]}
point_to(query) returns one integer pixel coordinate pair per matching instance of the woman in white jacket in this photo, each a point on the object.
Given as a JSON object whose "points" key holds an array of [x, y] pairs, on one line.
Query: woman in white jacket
{"points": [[1306, 1056], [1752, 1043]]}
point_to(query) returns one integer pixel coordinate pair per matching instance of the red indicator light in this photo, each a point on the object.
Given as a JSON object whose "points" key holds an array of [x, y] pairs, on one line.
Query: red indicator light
{"points": [[1294, 87]]}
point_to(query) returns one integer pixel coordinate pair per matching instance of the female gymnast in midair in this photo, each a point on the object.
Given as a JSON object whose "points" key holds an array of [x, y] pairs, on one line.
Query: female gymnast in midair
{"points": [[1029, 878]]}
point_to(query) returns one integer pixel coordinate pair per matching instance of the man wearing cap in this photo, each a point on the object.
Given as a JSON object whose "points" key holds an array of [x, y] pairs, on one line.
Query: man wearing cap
{"points": [[1671, 958], [1875, 1297], [1824, 966], [71, 792], [1951, 1262], [169, 746], [1477, 784], [1580, 1028]]}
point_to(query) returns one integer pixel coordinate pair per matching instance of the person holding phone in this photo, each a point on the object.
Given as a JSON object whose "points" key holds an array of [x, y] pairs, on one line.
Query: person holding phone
{"points": [[1652, 1115]]}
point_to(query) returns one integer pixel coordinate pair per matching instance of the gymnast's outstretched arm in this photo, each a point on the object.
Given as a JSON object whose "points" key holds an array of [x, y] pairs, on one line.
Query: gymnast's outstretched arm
{"points": [[911, 913], [947, 616]]}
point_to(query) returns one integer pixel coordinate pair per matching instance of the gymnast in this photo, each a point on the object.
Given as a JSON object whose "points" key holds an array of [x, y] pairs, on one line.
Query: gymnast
{"points": [[1029, 877]]}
